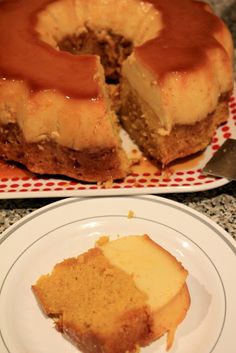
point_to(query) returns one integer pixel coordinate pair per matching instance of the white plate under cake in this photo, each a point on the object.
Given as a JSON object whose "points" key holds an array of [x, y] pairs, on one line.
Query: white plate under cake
{"points": [[70, 227]]}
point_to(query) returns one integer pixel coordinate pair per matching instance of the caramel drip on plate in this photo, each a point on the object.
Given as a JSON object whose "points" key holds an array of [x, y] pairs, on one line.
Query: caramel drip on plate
{"points": [[188, 30]]}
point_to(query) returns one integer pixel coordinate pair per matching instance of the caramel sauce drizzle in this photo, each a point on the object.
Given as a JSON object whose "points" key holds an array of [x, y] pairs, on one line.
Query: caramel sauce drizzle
{"points": [[188, 30], [23, 56]]}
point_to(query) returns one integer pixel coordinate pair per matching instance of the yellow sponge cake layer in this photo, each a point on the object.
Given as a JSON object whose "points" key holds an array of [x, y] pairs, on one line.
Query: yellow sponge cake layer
{"points": [[105, 303]]}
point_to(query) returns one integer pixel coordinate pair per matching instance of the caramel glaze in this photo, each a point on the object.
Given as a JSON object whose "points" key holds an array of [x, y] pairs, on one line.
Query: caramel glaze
{"points": [[188, 30], [23, 56]]}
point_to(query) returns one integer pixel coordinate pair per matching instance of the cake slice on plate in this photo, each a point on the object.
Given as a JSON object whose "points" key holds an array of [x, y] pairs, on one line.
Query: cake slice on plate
{"points": [[116, 297]]}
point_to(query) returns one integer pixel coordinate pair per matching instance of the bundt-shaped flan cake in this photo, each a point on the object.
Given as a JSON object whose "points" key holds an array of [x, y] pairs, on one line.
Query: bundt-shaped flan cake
{"points": [[118, 296], [163, 67]]}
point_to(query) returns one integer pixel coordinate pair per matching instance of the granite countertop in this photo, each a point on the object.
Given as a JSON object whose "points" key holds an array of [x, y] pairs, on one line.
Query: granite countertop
{"points": [[218, 204]]}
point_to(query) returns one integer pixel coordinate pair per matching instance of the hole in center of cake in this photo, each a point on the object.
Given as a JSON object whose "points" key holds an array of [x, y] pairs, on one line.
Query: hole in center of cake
{"points": [[108, 29], [112, 48]]}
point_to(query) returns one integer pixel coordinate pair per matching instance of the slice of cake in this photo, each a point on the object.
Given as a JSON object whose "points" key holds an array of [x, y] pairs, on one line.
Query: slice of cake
{"points": [[176, 87], [118, 296]]}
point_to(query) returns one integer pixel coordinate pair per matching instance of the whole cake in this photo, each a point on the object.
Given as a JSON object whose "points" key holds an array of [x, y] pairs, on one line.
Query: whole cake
{"points": [[163, 67], [117, 297]]}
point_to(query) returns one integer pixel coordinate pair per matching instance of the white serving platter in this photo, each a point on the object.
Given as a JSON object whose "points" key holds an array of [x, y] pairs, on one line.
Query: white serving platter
{"points": [[145, 178]]}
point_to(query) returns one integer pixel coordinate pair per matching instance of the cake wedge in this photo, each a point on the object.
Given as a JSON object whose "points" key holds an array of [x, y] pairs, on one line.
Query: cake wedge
{"points": [[118, 296]]}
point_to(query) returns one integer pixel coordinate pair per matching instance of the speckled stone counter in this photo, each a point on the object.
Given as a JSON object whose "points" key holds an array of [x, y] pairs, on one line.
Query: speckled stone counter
{"points": [[218, 204]]}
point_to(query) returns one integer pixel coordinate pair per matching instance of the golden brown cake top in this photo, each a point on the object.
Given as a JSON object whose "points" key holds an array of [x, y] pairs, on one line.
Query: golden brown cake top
{"points": [[188, 30]]}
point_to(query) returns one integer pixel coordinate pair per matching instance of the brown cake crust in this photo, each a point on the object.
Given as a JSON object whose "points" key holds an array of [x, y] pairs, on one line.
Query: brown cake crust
{"points": [[48, 157], [133, 327]]}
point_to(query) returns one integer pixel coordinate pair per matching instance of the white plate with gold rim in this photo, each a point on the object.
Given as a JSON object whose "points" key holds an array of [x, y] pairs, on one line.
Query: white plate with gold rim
{"points": [[69, 227]]}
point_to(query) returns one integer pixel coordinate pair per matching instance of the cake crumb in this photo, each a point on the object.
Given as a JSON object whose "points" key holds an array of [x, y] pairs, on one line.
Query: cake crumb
{"points": [[135, 161], [107, 184], [166, 173], [102, 240], [131, 214]]}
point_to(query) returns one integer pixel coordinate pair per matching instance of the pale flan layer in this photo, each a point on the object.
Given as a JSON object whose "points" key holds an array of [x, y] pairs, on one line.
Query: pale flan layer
{"points": [[182, 72], [142, 124], [141, 22], [147, 256], [123, 294], [49, 115], [54, 134]]}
